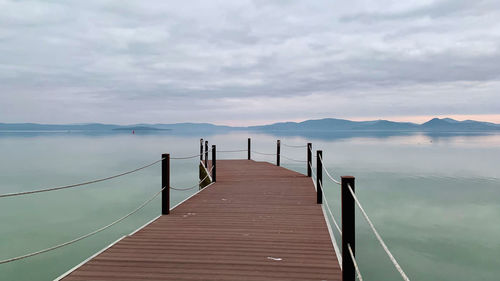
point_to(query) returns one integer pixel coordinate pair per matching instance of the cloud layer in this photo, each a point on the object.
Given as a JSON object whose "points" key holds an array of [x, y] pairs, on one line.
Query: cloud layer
{"points": [[246, 62]]}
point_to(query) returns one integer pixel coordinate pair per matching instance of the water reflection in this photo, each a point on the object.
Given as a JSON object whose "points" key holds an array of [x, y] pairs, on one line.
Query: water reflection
{"points": [[428, 194]]}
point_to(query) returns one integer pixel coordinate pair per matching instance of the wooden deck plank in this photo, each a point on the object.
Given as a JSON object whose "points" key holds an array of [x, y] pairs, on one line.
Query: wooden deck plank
{"points": [[258, 222]]}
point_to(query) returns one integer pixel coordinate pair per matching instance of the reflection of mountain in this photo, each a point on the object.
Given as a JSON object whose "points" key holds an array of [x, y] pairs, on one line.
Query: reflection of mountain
{"points": [[138, 128], [338, 135]]}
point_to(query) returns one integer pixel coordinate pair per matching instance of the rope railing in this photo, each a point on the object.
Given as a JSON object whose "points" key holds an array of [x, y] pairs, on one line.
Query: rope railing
{"points": [[93, 181], [365, 215], [262, 153], [334, 240], [379, 238], [78, 184], [327, 173], [190, 157], [294, 146], [83, 236], [231, 151], [196, 185], [294, 160], [329, 210], [356, 267], [206, 170]]}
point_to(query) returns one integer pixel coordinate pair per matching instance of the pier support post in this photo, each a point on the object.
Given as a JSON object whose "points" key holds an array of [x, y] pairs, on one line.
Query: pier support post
{"points": [[201, 149], [309, 159], [348, 229], [319, 177], [249, 146], [278, 147], [165, 181], [214, 161], [206, 154]]}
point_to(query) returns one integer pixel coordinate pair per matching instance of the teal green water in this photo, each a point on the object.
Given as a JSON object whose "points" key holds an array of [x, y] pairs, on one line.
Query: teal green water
{"points": [[434, 199]]}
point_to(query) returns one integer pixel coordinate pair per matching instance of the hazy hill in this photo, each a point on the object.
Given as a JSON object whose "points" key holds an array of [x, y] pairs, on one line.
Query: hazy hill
{"points": [[324, 125], [448, 124], [56, 127], [330, 124]]}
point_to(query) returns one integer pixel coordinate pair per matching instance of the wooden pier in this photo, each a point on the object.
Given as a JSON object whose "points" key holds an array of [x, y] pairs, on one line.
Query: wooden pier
{"points": [[257, 222]]}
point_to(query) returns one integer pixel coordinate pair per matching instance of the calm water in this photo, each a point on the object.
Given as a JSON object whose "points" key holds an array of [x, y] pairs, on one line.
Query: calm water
{"points": [[434, 199]]}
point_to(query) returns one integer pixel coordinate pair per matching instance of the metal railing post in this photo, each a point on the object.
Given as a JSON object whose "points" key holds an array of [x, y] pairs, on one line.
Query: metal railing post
{"points": [[206, 154], [249, 145], [348, 229], [214, 163], [309, 159], [319, 177], [165, 181], [201, 149], [278, 144]]}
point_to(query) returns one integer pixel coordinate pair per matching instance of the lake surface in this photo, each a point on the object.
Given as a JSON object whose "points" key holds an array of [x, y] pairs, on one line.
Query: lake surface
{"points": [[435, 199]]}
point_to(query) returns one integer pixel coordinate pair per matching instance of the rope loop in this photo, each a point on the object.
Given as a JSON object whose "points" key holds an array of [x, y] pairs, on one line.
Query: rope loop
{"points": [[377, 235], [294, 146], [83, 236], [78, 184]]}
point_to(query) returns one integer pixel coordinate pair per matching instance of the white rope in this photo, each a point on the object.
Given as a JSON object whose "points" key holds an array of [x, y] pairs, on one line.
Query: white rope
{"points": [[191, 187], [77, 184], [379, 238], [263, 153], [360, 278], [294, 146], [291, 159], [228, 151], [327, 173], [190, 157], [312, 170], [83, 236], [206, 170], [328, 208], [334, 240]]}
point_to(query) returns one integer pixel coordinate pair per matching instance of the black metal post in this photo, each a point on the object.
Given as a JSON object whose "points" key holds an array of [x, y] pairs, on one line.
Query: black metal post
{"points": [[309, 159], [319, 177], [165, 182], [348, 229], [214, 161], [278, 144], [206, 154], [201, 149], [249, 145], [201, 160]]}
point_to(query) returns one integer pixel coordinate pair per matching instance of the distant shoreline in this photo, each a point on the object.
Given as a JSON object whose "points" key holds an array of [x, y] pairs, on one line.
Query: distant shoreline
{"points": [[321, 125]]}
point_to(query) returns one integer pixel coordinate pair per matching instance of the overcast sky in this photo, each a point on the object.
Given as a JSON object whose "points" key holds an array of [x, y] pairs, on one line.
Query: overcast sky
{"points": [[248, 62]]}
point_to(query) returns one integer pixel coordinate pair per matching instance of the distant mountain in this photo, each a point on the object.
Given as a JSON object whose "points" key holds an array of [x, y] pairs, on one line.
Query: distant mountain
{"points": [[56, 127], [191, 127], [320, 125], [330, 124], [448, 124]]}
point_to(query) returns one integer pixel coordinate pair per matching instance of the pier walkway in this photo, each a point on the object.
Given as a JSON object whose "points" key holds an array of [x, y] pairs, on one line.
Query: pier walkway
{"points": [[257, 222]]}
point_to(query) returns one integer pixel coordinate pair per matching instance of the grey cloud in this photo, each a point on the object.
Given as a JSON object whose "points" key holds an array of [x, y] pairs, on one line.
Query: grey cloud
{"points": [[170, 59], [436, 9]]}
